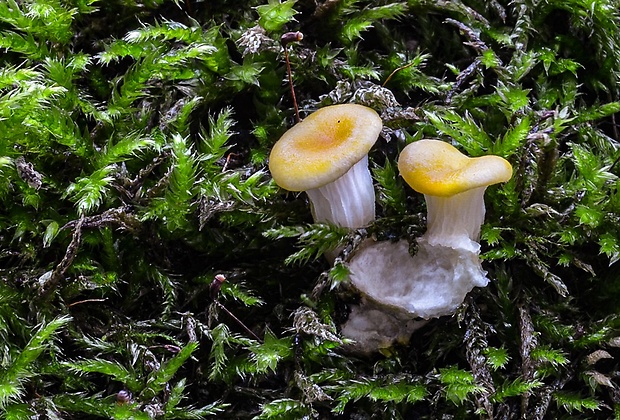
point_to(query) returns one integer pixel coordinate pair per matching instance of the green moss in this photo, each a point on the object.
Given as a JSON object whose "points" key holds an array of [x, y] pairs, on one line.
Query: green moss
{"points": [[134, 138]]}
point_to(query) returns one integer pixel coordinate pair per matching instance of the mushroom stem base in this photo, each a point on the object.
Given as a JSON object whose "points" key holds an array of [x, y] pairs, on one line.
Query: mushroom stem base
{"points": [[430, 284]]}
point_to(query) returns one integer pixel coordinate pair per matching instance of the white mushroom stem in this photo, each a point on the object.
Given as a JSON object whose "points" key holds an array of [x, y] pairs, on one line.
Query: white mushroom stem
{"points": [[429, 284], [349, 201], [455, 221]]}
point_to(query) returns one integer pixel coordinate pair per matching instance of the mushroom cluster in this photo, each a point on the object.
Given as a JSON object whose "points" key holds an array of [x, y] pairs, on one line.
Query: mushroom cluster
{"points": [[326, 155], [446, 266]]}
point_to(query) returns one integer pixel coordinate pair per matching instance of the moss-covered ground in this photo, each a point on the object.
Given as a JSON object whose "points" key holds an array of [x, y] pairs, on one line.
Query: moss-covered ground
{"points": [[134, 144]]}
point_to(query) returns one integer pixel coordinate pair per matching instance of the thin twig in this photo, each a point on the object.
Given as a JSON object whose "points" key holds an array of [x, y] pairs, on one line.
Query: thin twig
{"points": [[119, 216], [286, 39], [475, 341], [527, 344], [214, 291], [238, 321], [396, 70], [462, 77], [476, 43], [471, 34], [79, 302], [67, 260], [290, 82]]}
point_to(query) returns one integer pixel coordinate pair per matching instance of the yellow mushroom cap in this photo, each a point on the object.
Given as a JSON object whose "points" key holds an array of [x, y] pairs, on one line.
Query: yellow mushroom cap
{"points": [[437, 168], [324, 146]]}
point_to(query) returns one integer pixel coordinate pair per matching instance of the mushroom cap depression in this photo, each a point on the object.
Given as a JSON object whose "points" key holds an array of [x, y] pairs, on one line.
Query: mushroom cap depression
{"points": [[324, 146], [434, 167]]}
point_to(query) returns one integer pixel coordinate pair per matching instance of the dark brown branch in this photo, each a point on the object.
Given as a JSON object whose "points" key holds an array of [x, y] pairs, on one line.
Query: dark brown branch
{"points": [[72, 250]]}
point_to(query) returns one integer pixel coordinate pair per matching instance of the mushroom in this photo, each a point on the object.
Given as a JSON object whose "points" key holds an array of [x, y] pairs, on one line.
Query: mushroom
{"points": [[453, 186], [446, 266], [326, 155]]}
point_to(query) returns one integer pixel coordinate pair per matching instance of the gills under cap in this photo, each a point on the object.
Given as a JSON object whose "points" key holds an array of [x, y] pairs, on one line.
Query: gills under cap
{"points": [[324, 146], [434, 167]]}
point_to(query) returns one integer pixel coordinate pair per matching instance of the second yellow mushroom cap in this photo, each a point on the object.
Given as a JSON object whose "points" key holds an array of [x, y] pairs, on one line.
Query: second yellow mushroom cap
{"points": [[437, 168]]}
